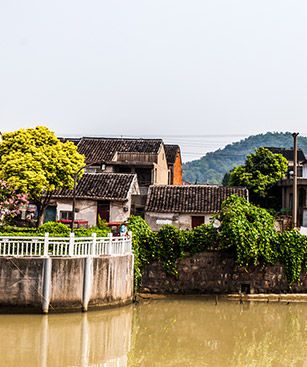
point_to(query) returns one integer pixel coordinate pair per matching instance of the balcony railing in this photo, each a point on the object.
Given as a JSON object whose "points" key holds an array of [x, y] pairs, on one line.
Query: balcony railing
{"points": [[65, 246]]}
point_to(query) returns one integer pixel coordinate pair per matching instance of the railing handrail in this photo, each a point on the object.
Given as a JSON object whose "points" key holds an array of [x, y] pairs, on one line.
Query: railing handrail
{"points": [[28, 246]]}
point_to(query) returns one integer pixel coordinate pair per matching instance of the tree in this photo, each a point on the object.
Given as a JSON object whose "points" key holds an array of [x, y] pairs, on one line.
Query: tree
{"points": [[35, 162], [11, 201], [261, 171]]}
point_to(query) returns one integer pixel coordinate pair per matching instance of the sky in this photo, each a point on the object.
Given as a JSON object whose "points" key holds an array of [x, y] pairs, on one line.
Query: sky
{"points": [[204, 68]]}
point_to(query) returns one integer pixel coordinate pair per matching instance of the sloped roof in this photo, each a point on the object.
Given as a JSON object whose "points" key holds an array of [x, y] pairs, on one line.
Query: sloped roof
{"points": [[103, 149], [101, 186], [190, 199], [171, 152], [288, 153]]}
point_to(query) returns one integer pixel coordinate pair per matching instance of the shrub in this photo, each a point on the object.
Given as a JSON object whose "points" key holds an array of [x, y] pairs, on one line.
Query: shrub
{"points": [[201, 238], [87, 232], [54, 229]]}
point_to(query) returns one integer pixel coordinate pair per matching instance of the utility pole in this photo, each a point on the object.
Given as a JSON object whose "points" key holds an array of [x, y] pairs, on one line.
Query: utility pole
{"points": [[294, 208]]}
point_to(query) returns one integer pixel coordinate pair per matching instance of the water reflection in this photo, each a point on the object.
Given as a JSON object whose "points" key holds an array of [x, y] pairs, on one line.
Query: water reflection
{"points": [[198, 333], [86, 340], [185, 332]]}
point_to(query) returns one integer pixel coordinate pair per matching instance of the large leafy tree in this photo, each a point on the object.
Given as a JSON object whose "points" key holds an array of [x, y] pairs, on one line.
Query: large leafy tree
{"points": [[35, 162], [261, 171]]}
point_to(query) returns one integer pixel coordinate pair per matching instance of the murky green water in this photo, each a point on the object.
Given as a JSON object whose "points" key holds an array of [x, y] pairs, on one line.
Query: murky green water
{"points": [[182, 332]]}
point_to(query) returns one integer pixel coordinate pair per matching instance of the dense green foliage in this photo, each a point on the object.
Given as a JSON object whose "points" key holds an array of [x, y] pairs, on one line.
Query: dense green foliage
{"points": [[245, 229], [35, 162], [212, 167], [261, 171], [54, 229], [249, 229]]}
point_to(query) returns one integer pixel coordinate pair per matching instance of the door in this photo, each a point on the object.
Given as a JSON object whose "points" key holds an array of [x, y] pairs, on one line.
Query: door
{"points": [[197, 221], [103, 210], [50, 213]]}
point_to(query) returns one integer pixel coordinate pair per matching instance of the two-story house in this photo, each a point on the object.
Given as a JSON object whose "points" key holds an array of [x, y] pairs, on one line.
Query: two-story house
{"points": [[286, 184]]}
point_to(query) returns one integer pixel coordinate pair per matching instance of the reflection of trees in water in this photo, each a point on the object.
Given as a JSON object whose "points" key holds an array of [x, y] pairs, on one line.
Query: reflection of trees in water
{"points": [[198, 333]]}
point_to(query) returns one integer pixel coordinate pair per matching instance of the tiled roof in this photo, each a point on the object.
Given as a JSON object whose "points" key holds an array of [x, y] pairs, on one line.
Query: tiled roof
{"points": [[73, 140], [103, 149], [101, 186], [288, 153], [171, 152], [189, 199]]}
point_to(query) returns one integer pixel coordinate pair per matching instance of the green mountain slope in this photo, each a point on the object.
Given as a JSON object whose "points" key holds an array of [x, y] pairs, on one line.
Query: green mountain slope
{"points": [[212, 167]]}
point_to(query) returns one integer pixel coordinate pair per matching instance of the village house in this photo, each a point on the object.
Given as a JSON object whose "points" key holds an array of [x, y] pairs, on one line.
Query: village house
{"points": [[107, 195], [188, 206], [286, 184], [151, 160]]}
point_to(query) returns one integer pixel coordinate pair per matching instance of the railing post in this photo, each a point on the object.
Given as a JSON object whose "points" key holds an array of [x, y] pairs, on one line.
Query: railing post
{"points": [[129, 242], [46, 244], [71, 244], [93, 249], [109, 252]]}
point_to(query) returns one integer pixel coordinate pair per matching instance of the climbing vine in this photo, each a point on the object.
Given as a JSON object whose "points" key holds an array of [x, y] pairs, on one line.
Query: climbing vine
{"points": [[245, 229]]}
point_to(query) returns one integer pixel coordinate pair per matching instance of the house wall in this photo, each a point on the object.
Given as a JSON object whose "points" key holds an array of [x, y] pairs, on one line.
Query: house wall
{"points": [[86, 209], [177, 170], [181, 221], [117, 212], [161, 168]]}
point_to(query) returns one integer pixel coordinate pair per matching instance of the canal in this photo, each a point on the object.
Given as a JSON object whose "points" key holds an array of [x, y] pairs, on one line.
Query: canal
{"points": [[169, 332]]}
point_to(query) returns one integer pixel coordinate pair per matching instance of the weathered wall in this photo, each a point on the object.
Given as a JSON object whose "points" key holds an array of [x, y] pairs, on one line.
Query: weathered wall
{"points": [[216, 272], [117, 212], [86, 209], [181, 221], [21, 282]]}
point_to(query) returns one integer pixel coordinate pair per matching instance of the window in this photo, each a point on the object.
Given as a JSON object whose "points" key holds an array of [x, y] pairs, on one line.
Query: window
{"points": [[197, 221], [65, 215]]}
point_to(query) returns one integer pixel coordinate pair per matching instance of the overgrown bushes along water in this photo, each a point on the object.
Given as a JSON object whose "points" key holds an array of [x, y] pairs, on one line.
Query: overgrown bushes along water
{"points": [[246, 229]]}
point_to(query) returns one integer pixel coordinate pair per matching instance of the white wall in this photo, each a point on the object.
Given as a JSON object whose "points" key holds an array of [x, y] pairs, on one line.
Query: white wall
{"points": [[181, 221]]}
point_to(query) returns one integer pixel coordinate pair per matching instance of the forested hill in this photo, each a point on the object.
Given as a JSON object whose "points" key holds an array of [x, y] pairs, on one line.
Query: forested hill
{"points": [[212, 167]]}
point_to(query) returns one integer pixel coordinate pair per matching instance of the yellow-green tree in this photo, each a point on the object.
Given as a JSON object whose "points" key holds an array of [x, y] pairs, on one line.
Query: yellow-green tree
{"points": [[35, 162]]}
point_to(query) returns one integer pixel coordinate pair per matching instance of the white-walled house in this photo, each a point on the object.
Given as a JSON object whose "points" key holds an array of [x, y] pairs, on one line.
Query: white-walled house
{"points": [[107, 195], [187, 206]]}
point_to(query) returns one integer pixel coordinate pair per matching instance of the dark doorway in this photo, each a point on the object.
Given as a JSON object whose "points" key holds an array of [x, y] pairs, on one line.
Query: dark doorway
{"points": [[197, 221], [50, 213], [103, 210]]}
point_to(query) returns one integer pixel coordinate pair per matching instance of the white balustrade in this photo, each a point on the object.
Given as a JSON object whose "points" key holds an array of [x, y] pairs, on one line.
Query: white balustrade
{"points": [[65, 246]]}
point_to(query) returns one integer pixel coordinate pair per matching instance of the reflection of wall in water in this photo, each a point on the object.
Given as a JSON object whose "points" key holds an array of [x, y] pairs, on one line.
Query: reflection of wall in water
{"points": [[95, 339]]}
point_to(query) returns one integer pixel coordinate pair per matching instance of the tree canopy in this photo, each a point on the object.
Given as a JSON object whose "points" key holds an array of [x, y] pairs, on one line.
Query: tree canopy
{"points": [[261, 171], [35, 162]]}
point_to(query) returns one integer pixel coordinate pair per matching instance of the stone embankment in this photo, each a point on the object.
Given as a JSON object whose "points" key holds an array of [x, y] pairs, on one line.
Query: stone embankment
{"points": [[215, 272]]}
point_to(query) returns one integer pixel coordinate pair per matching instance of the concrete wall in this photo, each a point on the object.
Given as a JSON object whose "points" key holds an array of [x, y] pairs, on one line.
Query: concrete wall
{"points": [[110, 282], [181, 221], [216, 272]]}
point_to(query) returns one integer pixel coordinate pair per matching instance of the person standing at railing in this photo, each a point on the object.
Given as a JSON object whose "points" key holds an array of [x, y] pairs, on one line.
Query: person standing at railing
{"points": [[123, 230]]}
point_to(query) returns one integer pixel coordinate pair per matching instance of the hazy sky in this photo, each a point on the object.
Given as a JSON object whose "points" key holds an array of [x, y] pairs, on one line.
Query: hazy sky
{"points": [[154, 67]]}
